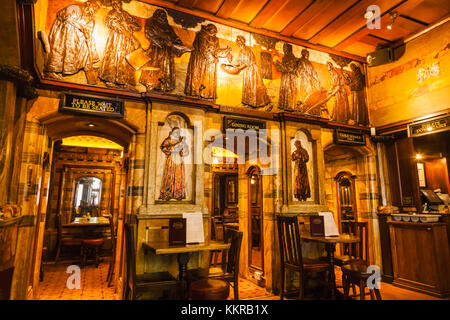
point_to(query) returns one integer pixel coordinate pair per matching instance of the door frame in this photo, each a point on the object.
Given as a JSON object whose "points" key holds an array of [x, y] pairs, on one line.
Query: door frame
{"points": [[252, 170]]}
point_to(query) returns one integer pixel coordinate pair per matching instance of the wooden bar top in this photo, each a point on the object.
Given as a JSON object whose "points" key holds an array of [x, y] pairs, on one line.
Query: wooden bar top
{"points": [[162, 247]]}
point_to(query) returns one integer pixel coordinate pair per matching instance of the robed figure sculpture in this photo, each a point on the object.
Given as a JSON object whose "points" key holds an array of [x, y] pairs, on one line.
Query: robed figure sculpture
{"points": [[289, 92], [309, 79], [164, 44], [356, 83], [337, 90], [201, 78], [72, 47], [254, 92], [115, 69], [300, 156], [173, 178]]}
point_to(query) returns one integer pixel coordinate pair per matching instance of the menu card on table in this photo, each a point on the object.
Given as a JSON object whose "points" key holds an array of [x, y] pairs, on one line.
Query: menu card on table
{"points": [[194, 227], [330, 228], [177, 231]]}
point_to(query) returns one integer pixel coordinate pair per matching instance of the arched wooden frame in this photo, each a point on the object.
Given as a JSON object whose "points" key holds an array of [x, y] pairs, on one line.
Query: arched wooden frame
{"points": [[347, 175], [254, 170]]}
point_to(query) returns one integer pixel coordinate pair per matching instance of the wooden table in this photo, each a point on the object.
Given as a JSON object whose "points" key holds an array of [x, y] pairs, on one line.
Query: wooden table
{"points": [[96, 222], [183, 255], [330, 247]]}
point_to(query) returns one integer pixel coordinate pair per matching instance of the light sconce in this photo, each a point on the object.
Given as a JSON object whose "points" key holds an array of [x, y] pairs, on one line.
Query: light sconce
{"points": [[393, 16], [419, 156]]}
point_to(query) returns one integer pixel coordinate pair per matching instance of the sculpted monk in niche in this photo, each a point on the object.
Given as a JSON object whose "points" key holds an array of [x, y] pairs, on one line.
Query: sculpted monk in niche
{"points": [[254, 92], [164, 44], [201, 78], [173, 178], [115, 69], [289, 92], [300, 156], [72, 47]]}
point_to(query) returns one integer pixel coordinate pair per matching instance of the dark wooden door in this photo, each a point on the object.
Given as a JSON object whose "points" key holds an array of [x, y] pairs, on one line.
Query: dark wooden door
{"points": [[255, 220]]}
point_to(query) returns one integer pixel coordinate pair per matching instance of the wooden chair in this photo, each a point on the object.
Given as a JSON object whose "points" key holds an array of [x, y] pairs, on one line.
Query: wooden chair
{"points": [[89, 246], [228, 268], [112, 238], [356, 274], [355, 252], [291, 254], [66, 240], [136, 285]]}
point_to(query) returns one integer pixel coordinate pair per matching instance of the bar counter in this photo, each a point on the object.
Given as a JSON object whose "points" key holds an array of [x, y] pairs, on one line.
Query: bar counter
{"points": [[420, 256]]}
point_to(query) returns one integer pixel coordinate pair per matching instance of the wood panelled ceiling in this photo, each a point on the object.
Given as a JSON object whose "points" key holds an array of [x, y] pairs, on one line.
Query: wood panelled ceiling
{"points": [[332, 26]]}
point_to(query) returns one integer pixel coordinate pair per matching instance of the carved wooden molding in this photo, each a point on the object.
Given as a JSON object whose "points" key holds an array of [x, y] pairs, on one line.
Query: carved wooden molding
{"points": [[26, 1], [22, 78]]}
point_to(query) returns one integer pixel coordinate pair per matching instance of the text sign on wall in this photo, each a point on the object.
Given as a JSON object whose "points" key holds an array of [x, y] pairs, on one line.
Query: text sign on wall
{"points": [[91, 105], [244, 124], [430, 126], [350, 138]]}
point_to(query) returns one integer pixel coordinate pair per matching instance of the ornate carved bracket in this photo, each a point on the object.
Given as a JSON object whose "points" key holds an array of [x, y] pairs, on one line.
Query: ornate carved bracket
{"points": [[22, 78]]}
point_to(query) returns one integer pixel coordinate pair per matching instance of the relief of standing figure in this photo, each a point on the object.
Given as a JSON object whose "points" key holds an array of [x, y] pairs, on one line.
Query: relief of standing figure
{"points": [[302, 190], [309, 79], [201, 78], [115, 69], [72, 47], [164, 44], [289, 93], [254, 92], [356, 82], [337, 90], [173, 178]]}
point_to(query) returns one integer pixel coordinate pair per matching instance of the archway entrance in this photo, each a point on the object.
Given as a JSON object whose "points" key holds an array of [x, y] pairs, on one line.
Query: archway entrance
{"points": [[85, 182]]}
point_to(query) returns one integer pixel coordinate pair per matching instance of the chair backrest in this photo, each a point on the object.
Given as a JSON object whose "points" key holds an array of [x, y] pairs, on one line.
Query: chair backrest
{"points": [[112, 230], [359, 250], [235, 239], [289, 241], [218, 229], [131, 256]]}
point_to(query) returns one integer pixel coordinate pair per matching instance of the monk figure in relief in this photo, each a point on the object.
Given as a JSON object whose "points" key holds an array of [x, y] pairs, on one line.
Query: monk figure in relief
{"points": [[300, 156], [173, 178], [289, 92], [201, 78], [115, 69], [337, 90], [72, 47], [254, 92], [164, 45]]}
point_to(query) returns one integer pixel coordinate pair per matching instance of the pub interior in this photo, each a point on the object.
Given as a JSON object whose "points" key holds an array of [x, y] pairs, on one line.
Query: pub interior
{"points": [[293, 149]]}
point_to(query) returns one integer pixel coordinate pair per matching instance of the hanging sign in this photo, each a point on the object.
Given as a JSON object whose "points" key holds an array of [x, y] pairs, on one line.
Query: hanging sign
{"points": [[91, 105], [349, 138], [429, 126], [244, 124]]}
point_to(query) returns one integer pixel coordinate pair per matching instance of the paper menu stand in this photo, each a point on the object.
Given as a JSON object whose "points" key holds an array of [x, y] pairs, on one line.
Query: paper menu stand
{"points": [[330, 229], [316, 226], [177, 231], [194, 227]]}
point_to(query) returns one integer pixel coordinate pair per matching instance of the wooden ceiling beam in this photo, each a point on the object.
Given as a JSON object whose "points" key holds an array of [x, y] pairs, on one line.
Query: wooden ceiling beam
{"points": [[187, 3], [350, 22], [227, 8], [269, 10], [246, 27]]}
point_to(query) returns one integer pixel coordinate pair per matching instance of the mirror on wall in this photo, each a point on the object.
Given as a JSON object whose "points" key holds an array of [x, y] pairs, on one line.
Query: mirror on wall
{"points": [[87, 196]]}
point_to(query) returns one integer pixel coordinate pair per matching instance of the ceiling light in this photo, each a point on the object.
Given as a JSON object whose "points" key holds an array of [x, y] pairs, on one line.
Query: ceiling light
{"points": [[393, 16], [419, 156], [90, 124]]}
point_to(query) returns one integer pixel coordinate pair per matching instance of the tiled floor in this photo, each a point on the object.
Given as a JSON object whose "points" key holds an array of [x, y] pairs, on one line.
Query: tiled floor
{"points": [[94, 287]]}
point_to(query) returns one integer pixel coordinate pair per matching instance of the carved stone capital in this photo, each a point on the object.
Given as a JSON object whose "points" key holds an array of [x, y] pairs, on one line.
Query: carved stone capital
{"points": [[22, 79]]}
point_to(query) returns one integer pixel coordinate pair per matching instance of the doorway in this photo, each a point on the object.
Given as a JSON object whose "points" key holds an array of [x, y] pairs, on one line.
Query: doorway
{"points": [[345, 185], [255, 221], [225, 203]]}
